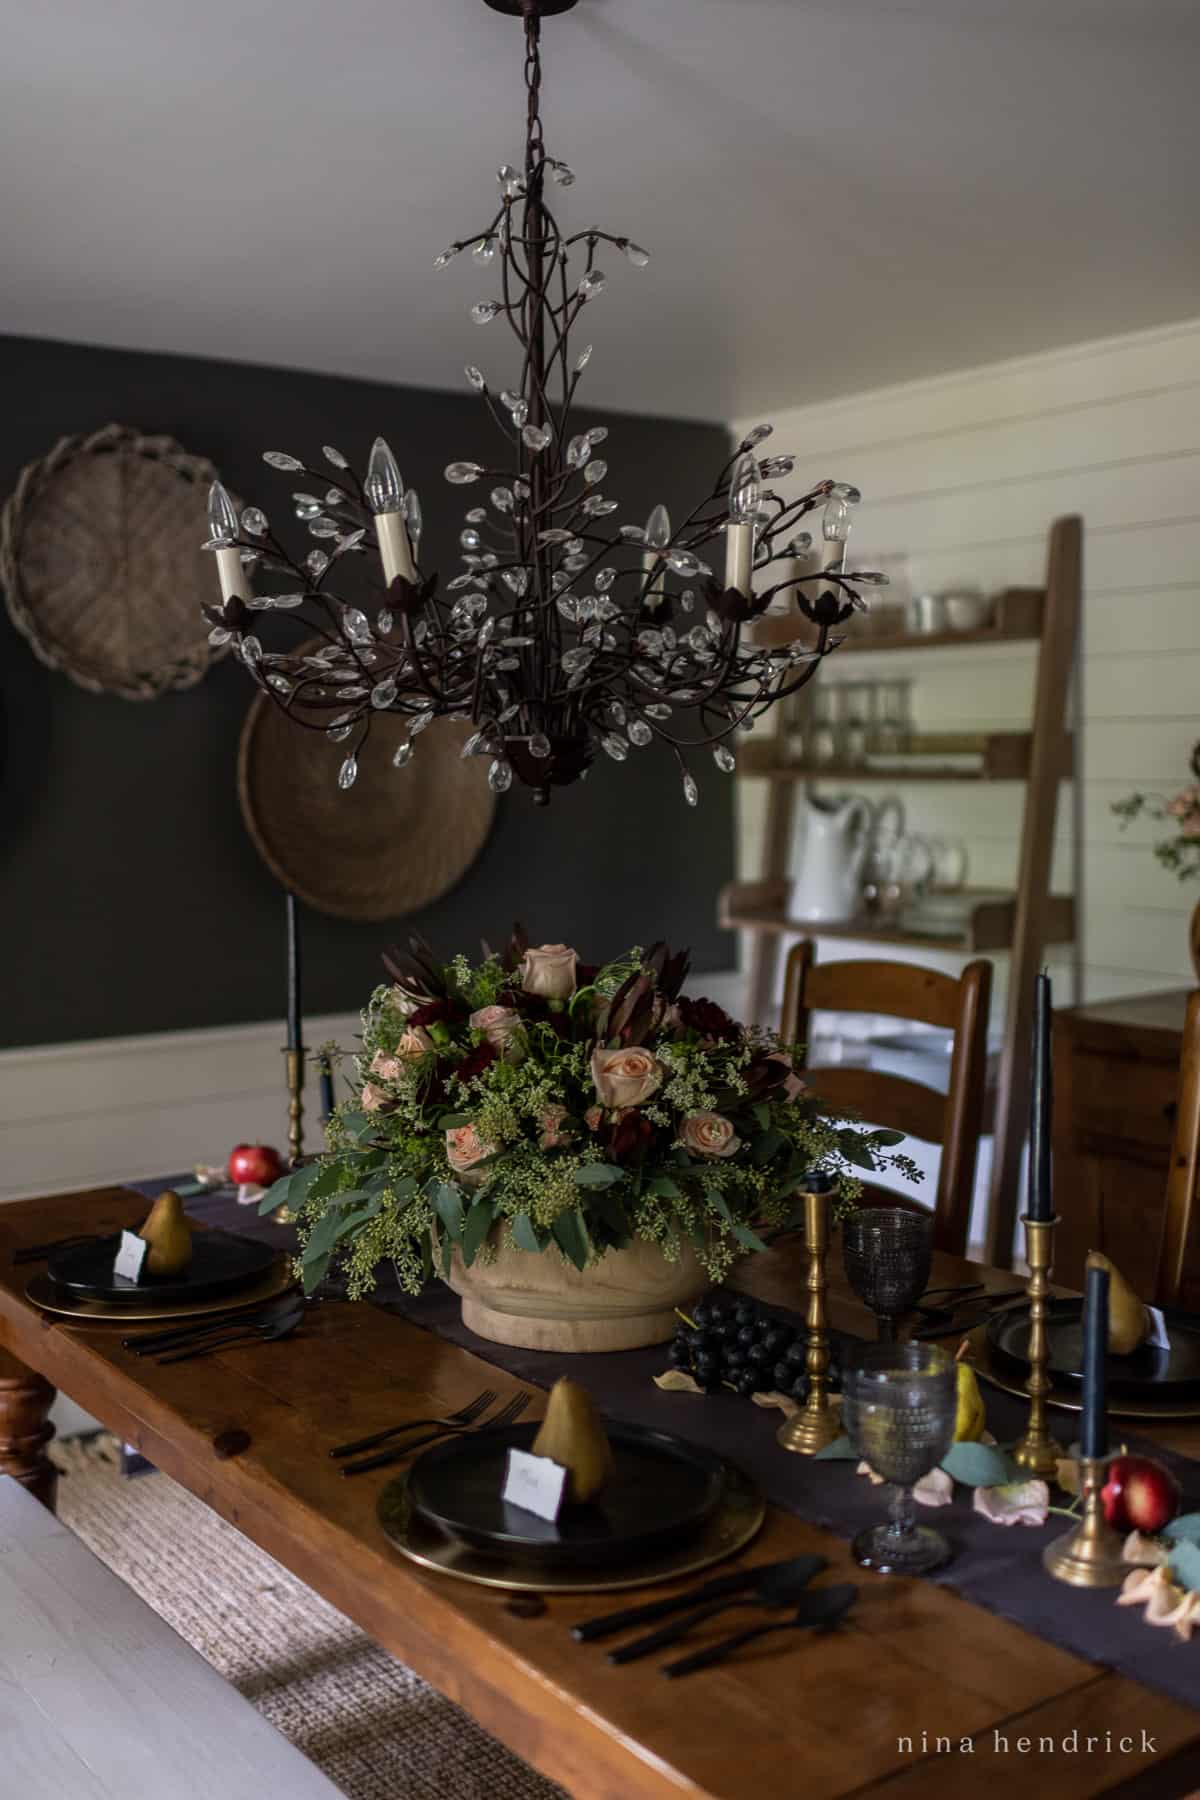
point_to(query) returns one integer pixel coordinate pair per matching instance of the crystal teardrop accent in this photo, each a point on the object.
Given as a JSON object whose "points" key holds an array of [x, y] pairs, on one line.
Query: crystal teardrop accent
{"points": [[384, 694], [592, 284], [279, 459], [334, 456], [502, 499], [420, 723], [348, 773], [460, 473], [447, 255], [596, 506], [403, 755], [536, 437], [724, 758], [615, 745], [583, 359], [484, 311], [578, 451], [595, 472], [316, 562], [500, 776], [637, 256], [756, 436], [254, 520], [597, 434], [475, 377], [484, 253], [470, 540], [218, 636], [691, 792], [561, 172], [539, 746], [639, 733], [384, 623]]}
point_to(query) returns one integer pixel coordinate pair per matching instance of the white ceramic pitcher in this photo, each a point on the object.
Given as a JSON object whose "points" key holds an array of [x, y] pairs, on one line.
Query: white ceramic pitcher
{"points": [[827, 859]]}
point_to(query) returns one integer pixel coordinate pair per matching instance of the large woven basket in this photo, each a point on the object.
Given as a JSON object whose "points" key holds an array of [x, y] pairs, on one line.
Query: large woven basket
{"points": [[101, 562], [391, 844]]}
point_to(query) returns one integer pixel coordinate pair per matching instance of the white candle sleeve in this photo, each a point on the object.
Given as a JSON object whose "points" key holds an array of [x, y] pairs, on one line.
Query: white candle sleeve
{"points": [[232, 574], [739, 557], [394, 547]]}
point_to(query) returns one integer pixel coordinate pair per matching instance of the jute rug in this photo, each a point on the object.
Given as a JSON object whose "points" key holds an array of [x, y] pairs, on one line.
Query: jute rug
{"points": [[376, 1730]]}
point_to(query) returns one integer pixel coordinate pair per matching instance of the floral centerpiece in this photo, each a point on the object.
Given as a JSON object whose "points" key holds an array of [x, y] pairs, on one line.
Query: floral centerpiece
{"points": [[562, 1142], [1179, 850]]}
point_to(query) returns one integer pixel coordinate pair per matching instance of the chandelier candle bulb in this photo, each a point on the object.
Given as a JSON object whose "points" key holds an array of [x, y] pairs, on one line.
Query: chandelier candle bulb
{"points": [[223, 524], [385, 496]]}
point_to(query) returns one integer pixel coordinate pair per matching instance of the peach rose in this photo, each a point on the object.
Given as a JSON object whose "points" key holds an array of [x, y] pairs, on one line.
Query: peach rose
{"points": [[708, 1134], [465, 1149], [549, 971], [372, 1097], [792, 1087], [500, 1025], [593, 1118], [625, 1077], [390, 1067], [415, 1043], [553, 1134]]}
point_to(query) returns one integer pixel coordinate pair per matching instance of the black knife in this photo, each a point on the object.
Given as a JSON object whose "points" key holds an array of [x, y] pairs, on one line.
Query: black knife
{"points": [[719, 1589]]}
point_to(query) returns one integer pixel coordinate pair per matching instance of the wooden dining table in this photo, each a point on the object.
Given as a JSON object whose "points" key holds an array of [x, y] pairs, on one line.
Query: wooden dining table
{"points": [[919, 1693]]}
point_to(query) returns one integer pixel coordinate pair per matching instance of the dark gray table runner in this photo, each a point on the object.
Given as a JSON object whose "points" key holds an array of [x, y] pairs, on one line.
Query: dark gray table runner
{"points": [[995, 1566]]}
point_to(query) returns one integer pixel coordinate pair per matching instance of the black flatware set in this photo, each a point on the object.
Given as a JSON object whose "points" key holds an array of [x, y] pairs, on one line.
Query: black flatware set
{"points": [[206, 1336], [773, 1586]]}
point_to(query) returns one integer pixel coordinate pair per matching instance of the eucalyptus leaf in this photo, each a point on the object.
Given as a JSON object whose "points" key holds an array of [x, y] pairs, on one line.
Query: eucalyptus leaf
{"points": [[841, 1450], [314, 1273], [665, 1187], [448, 1205], [762, 1114], [597, 1175], [747, 1238], [1185, 1528], [525, 1235], [478, 1224], [1184, 1564], [719, 1204], [278, 1194], [570, 1234], [979, 1465], [322, 1237]]}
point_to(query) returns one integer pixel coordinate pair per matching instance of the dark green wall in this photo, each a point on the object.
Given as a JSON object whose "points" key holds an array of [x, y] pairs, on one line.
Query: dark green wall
{"points": [[131, 899]]}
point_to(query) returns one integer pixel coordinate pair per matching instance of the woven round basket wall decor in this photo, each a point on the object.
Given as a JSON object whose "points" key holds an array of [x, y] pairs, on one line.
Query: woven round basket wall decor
{"points": [[394, 842], [101, 562]]}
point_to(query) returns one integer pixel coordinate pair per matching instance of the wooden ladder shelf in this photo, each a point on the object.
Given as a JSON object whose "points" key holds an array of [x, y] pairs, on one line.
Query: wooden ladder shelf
{"points": [[1034, 918]]}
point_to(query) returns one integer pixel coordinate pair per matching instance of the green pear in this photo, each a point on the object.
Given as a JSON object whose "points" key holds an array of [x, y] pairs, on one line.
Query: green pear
{"points": [[572, 1436], [169, 1235], [1128, 1320]]}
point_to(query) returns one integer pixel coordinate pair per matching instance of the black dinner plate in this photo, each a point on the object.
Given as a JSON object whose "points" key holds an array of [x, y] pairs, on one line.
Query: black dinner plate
{"points": [[1149, 1372], [661, 1491], [221, 1264]]}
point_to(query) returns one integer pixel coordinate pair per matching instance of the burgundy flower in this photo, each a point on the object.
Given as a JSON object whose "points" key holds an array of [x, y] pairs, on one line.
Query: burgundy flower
{"points": [[630, 1137], [476, 1061], [706, 1018], [436, 1012]]}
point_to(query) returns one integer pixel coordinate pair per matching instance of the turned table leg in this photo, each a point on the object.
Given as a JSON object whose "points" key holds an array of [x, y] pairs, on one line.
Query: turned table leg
{"points": [[25, 1430]]}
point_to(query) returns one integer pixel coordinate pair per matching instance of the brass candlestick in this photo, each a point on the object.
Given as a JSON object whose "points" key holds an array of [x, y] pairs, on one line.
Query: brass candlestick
{"points": [[1037, 1453], [1089, 1555], [294, 1064], [819, 1420]]}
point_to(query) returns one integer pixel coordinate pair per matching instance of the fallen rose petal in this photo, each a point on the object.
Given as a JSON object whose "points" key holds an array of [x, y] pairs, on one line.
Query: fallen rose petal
{"points": [[864, 1468], [1134, 1587], [1147, 1552], [934, 1489], [1161, 1596], [1067, 1474], [678, 1381], [784, 1402], [1014, 1503]]}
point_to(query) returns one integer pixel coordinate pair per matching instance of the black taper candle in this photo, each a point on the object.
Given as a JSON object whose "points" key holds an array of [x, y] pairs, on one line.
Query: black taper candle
{"points": [[1041, 1114], [294, 1010], [325, 1073], [1093, 1430]]}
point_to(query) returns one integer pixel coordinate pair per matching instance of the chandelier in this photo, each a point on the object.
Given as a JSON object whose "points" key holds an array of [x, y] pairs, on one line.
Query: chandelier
{"points": [[565, 633]]}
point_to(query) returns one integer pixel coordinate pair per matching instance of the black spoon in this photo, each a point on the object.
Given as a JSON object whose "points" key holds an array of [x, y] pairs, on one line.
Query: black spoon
{"points": [[280, 1327], [779, 1585], [821, 1610]]}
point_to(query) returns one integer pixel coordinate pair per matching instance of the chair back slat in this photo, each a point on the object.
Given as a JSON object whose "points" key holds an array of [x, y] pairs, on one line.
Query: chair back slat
{"points": [[907, 991], [1184, 1170]]}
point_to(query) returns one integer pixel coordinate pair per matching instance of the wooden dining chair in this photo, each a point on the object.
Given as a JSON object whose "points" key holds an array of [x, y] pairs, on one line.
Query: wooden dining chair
{"points": [[953, 1119], [1184, 1168]]}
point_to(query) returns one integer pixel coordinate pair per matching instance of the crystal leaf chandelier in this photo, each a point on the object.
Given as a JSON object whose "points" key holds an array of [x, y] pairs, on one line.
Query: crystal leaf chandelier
{"points": [[565, 633]]}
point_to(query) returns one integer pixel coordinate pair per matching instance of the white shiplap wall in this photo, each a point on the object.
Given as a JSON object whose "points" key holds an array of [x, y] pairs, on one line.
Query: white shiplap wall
{"points": [[961, 477]]}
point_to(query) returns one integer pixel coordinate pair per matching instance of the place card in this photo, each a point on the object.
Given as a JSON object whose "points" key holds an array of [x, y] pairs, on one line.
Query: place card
{"points": [[1157, 1336], [534, 1482], [130, 1257]]}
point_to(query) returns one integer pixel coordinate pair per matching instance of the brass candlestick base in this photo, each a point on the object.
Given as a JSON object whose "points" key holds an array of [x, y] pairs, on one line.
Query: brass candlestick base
{"points": [[1037, 1453], [819, 1420], [1090, 1553]]}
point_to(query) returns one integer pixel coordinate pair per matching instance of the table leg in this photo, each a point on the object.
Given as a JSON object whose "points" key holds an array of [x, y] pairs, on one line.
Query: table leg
{"points": [[25, 1400]]}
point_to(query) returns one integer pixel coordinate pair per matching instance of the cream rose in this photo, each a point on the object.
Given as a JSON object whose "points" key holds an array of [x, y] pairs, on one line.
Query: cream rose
{"points": [[500, 1025], [553, 1134], [549, 971], [708, 1134], [390, 1067], [372, 1097], [465, 1150], [415, 1043], [625, 1077]]}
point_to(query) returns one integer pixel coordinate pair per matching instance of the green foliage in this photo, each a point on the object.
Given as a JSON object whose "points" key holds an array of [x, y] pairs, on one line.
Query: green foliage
{"points": [[386, 1191]]}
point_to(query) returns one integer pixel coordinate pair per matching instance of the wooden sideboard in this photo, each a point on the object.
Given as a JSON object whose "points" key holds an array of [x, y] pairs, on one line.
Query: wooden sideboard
{"points": [[1116, 1081]]}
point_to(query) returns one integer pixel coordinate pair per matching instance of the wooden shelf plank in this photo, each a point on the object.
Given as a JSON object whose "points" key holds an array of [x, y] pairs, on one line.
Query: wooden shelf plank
{"points": [[1004, 756], [1018, 616], [762, 906]]}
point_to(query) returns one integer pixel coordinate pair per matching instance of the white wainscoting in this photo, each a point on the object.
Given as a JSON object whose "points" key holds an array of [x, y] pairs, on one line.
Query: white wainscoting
{"points": [[961, 477], [82, 1115]]}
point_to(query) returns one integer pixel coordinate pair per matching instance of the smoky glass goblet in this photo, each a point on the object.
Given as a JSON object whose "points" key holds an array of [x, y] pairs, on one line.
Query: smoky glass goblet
{"points": [[898, 1407], [888, 1254]]}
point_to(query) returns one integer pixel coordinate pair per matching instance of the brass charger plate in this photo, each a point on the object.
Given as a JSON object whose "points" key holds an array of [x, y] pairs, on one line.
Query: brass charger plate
{"points": [[42, 1291], [391, 844], [729, 1530], [1069, 1397]]}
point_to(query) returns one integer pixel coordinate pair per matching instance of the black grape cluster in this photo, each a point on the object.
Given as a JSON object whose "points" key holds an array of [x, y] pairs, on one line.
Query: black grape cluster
{"points": [[733, 1342]]}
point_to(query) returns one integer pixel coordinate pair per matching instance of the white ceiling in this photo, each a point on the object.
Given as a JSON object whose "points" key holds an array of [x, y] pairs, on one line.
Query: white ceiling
{"points": [[838, 193]]}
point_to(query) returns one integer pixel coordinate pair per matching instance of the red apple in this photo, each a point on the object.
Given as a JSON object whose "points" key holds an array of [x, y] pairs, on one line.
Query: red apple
{"points": [[1139, 1494], [254, 1165]]}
